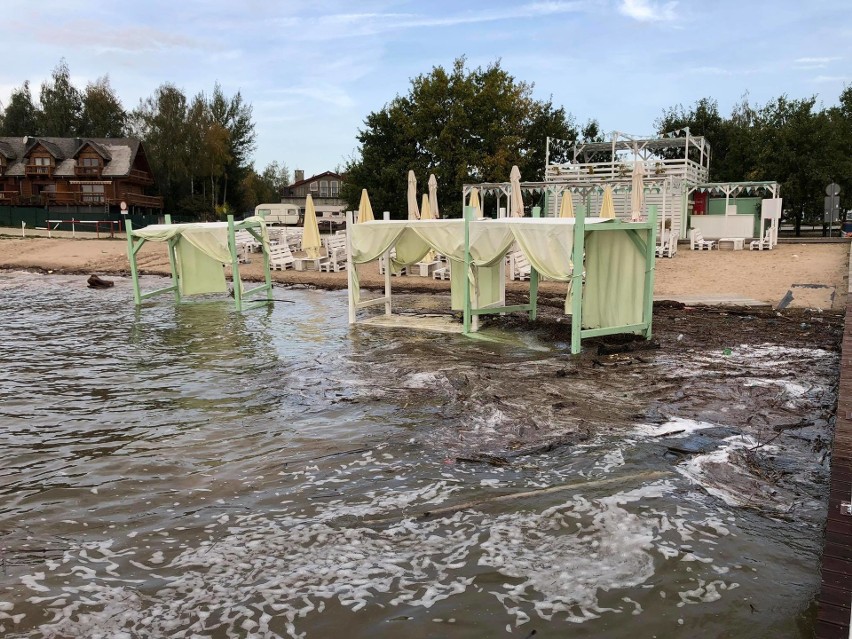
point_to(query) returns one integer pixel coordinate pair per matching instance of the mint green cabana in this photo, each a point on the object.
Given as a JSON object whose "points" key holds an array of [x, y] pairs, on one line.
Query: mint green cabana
{"points": [[615, 296], [197, 256]]}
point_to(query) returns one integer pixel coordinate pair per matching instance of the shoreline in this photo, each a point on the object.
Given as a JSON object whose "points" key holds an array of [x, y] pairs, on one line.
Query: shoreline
{"points": [[808, 275]]}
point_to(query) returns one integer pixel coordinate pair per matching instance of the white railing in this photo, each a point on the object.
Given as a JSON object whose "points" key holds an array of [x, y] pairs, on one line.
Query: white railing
{"points": [[688, 170]]}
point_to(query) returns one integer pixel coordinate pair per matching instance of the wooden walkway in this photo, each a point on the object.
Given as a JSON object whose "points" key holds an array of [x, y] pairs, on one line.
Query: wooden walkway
{"points": [[833, 615]]}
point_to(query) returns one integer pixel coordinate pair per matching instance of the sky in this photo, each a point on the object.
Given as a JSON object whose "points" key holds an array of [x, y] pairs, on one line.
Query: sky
{"points": [[313, 71]]}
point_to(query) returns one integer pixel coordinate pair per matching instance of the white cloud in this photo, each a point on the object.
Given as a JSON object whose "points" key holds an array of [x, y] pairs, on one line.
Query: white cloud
{"points": [[648, 10], [831, 78], [814, 63], [359, 24]]}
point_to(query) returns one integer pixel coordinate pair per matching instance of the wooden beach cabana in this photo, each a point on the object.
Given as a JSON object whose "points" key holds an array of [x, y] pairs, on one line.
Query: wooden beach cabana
{"points": [[613, 295], [198, 254]]}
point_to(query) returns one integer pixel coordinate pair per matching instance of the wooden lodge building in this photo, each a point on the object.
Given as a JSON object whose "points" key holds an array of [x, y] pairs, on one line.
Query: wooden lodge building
{"points": [[89, 174]]}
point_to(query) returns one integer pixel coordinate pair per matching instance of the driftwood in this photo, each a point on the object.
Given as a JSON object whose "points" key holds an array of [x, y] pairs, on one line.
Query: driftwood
{"points": [[96, 282]]}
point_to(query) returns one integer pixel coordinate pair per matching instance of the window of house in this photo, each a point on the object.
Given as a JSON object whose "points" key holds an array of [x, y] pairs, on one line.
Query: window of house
{"points": [[323, 188], [42, 163], [93, 193], [335, 188], [313, 186]]}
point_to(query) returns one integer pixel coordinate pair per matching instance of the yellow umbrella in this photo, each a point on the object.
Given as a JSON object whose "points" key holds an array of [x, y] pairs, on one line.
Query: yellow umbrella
{"points": [[607, 206], [365, 210], [474, 202], [433, 196], [567, 208], [425, 209], [637, 191], [413, 213], [426, 214], [516, 201], [311, 242]]}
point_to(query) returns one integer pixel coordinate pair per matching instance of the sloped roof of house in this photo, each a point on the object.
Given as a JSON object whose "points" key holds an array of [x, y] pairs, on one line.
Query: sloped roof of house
{"points": [[313, 178], [119, 154]]}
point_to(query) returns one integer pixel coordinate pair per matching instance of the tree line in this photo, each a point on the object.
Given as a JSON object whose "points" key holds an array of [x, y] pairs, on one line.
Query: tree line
{"points": [[464, 125], [470, 126], [796, 142], [199, 148]]}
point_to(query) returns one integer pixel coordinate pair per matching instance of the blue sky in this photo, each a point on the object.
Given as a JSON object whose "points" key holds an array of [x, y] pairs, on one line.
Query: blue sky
{"points": [[314, 70]]}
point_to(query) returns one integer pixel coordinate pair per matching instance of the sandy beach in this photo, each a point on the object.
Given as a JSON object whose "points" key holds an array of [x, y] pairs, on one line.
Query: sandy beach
{"points": [[814, 274]]}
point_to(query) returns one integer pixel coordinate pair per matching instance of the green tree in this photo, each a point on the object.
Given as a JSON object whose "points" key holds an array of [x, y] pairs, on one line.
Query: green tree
{"points": [[61, 104], [793, 146], [103, 116], [461, 125], [277, 177], [21, 115], [160, 120], [235, 117]]}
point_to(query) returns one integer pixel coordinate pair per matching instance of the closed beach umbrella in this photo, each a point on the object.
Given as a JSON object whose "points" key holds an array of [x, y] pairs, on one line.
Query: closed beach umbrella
{"points": [[311, 242], [413, 213], [433, 196], [365, 209], [637, 190], [425, 209], [426, 214], [474, 202], [516, 202], [607, 206], [567, 208]]}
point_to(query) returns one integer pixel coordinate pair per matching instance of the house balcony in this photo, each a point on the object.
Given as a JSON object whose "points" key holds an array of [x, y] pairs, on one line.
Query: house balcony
{"points": [[137, 199], [9, 197], [88, 171], [140, 176], [39, 170]]}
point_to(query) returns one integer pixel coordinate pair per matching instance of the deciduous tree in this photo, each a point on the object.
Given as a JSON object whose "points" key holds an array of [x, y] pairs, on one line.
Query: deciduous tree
{"points": [[61, 104], [463, 126]]}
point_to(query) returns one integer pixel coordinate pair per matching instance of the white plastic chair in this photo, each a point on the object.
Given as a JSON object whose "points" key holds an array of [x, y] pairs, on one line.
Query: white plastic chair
{"points": [[764, 243], [699, 243]]}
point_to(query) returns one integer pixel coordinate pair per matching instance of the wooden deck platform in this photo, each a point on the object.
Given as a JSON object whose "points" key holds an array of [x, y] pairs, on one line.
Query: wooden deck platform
{"points": [[833, 614]]}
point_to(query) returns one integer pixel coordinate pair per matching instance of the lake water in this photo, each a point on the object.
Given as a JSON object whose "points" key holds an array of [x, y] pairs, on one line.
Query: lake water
{"points": [[189, 471]]}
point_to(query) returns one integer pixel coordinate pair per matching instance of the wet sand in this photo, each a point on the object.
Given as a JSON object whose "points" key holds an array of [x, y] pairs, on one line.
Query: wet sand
{"points": [[815, 274]]}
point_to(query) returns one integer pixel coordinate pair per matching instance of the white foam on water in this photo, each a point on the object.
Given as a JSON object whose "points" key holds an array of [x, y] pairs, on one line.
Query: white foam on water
{"points": [[286, 565]]}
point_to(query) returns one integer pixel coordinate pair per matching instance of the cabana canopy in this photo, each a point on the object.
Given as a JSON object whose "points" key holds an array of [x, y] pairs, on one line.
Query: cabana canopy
{"points": [[197, 253], [616, 296]]}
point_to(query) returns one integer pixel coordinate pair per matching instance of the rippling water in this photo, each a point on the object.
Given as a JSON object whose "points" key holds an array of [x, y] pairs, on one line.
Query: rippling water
{"points": [[188, 471]]}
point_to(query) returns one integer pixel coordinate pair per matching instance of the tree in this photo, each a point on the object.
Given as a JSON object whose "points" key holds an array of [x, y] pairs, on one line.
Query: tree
{"points": [[160, 121], [276, 177], [461, 125], [103, 116], [21, 116], [61, 104], [235, 117], [793, 146]]}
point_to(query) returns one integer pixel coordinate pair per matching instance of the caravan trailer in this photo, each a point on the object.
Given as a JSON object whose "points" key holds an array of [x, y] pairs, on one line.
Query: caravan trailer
{"points": [[279, 214]]}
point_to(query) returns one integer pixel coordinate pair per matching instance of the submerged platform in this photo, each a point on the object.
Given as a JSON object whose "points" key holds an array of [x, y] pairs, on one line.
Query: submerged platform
{"points": [[439, 323]]}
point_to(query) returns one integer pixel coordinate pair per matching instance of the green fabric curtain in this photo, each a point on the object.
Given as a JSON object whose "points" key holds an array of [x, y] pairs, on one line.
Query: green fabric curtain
{"points": [[615, 279], [198, 273], [201, 249]]}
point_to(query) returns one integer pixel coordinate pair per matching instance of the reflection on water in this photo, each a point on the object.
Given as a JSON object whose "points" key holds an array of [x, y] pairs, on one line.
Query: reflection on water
{"points": [[184, 471]]}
